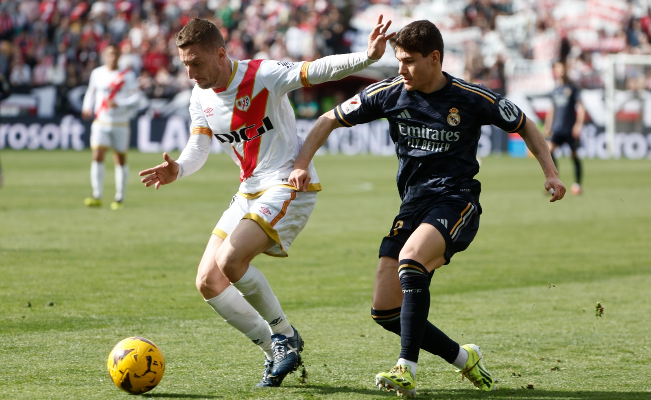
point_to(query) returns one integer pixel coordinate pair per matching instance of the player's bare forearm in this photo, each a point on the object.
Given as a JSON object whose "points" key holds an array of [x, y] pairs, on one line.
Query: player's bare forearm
{"points": [[538, 147], [300, 176], [316, 138]]}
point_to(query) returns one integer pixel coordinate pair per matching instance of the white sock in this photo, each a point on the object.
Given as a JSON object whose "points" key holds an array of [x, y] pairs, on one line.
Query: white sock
{"points": [[256, 290], [121, 179], [238, 313], [461, 359], [97, 178], [402, 361]]}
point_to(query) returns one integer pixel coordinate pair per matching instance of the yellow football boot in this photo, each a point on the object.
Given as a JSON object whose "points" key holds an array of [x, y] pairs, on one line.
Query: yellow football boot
{"points": [[475, 371]]}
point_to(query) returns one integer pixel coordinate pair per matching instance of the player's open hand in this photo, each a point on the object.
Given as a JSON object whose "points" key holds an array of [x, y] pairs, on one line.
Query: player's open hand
{"points": [[556, 188], [377, 40], [300, 179], [162, 174]]}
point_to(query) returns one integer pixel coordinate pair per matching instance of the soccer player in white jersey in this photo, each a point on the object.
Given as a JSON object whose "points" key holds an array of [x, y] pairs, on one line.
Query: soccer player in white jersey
{"points": [[244, 105], [111, 96]]}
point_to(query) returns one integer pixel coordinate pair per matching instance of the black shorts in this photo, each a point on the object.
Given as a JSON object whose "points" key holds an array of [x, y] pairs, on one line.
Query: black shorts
{"points": [[565, 137], [455, 218]]}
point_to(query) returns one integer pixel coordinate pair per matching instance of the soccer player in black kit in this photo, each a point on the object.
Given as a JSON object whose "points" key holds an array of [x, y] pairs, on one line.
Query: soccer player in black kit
{"points": [[564, 122], [435, 121]]}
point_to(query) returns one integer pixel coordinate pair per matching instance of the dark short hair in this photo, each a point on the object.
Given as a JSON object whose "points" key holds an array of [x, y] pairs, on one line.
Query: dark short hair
{"points": [[419, 36], [200, 31]]}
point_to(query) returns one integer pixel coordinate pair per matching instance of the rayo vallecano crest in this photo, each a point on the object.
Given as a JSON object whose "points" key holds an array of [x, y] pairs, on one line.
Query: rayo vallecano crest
{"points": [[454, 118], [243, 103]]}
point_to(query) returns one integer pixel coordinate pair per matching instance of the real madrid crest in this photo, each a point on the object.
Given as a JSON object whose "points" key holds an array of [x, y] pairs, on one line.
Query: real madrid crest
{"points": [[243, 103], [454, 118]]}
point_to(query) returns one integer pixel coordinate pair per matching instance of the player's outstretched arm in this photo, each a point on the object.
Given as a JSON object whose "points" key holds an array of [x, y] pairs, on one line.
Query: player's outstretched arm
{"points": [[339, 66], [161, 174], [300, 176], [536, 143]]}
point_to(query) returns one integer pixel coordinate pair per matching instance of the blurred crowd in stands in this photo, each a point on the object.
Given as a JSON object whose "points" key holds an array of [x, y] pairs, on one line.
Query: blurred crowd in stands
{"points": [[59, 42]]}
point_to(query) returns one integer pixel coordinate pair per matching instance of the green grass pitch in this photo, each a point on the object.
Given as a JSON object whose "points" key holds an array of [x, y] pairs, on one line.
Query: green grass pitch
{"points": [[525, 290]]}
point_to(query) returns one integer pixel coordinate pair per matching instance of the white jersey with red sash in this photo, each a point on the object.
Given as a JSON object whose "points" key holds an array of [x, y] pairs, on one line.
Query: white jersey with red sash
{"points": [[106, 85], [254, 121]]}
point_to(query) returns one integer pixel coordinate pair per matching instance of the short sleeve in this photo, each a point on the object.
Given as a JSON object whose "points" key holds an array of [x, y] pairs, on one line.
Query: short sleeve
{"points": [[577, 95], [280, 77], [359, 109], [504, 114], [198, 124]]}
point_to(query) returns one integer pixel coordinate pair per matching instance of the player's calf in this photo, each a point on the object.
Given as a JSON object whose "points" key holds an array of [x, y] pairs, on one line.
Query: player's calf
{"points": [[388, 319]]}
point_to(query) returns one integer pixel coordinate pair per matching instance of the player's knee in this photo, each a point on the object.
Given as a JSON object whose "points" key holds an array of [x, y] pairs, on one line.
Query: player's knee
{"points": [[414, 278], [387, 319], [211, 283], [202, 283], [230, 265]]}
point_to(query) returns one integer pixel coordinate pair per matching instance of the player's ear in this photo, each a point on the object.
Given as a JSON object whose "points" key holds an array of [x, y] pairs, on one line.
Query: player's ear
{"points": [[221, 53], [435, 57]]}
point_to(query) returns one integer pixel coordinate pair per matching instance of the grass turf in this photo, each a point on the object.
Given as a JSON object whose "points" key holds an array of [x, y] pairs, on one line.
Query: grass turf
{"points": [[525, 290]]}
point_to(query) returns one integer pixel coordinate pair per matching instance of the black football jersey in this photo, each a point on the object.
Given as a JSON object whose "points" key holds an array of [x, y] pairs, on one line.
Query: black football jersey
{"points": [[435, 134], [564, 98]]}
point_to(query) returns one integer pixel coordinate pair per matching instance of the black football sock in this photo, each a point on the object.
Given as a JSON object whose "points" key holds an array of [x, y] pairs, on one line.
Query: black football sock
{"points": [[414, 280], [387, 319], [434, 340], [577, 169]]}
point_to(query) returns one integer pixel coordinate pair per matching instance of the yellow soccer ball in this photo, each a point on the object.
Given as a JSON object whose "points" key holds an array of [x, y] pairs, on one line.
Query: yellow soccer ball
{"points": [[136, 365]]}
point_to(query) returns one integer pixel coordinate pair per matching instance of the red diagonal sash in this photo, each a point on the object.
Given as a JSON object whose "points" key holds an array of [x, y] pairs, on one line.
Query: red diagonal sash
{"points": [[114, 88], [249, 117]]}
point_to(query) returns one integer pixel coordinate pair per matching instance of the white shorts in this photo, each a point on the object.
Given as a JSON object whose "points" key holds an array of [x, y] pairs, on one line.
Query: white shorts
{"points": [[110, 135], [282, 213]]}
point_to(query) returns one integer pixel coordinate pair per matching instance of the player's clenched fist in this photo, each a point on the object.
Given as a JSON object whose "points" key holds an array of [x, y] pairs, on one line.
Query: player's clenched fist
{"points": [[162, 174]]}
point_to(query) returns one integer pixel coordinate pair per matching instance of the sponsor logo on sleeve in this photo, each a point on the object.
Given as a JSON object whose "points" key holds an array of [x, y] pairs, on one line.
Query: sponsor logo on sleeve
{"points": [[208, 111], [285, 64], [351, 104], [454, 118], [508, 110]]}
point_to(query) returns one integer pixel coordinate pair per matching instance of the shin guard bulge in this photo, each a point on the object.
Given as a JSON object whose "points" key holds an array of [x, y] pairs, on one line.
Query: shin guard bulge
{"points": [[256, 290], [414, 280]]}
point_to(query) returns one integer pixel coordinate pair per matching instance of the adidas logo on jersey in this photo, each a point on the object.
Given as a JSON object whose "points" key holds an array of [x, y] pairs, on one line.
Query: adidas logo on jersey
{"points": [[241, 136], [404, 114], [444, 222]]}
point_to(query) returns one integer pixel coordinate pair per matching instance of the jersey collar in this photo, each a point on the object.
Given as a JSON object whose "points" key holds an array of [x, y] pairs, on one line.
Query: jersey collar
{"points": [[234, 71], [442, 90]]}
